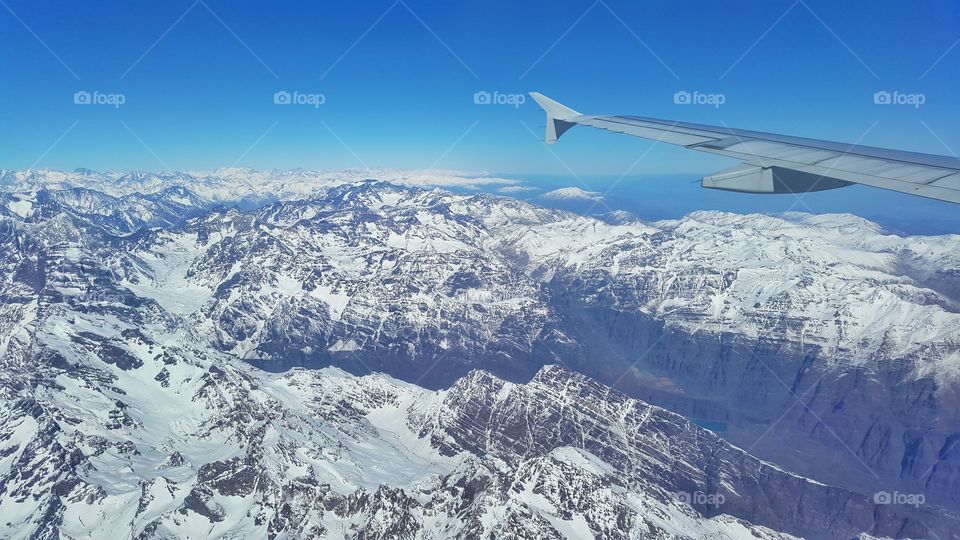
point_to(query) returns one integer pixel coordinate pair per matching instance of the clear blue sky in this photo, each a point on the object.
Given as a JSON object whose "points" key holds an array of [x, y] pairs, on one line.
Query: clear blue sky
{"points": [[199, 78]]}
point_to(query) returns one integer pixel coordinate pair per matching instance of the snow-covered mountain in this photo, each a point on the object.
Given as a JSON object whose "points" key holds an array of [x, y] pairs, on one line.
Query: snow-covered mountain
{"points": [[235, 184], [111, 434], [573, 194], [147, 336]]}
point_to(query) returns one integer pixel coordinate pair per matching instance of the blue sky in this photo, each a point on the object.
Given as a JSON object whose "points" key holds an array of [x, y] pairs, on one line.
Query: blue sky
{"points": [[398, 80]]}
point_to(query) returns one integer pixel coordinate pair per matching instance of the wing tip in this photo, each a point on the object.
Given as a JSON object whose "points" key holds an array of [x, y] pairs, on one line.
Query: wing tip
{"points": [[554, 109], [559, 116]]}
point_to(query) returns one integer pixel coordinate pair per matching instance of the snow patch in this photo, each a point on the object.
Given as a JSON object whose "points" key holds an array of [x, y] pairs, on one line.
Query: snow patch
{"points": [[573, 194]]}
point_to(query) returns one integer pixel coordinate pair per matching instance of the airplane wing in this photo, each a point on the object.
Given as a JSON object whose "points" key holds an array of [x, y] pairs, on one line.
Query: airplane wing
{"points": [[779, 163]]}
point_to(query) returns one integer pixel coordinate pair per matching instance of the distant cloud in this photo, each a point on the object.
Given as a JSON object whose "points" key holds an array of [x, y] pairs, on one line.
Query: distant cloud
{"points": [[572, 194], [450, 179], [516, 189]]}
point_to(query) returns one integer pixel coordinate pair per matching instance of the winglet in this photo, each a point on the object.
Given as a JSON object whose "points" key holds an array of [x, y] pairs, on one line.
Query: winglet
{"points": [[558, 116]]}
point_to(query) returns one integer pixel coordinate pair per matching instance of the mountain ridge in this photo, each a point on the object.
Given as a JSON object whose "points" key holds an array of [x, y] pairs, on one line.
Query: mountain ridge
{"points": [[429, 286]]}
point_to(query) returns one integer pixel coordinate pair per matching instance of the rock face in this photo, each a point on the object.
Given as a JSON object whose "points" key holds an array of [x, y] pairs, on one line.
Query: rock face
{"points": [[843, 338], [100, 451], [815, 342], [644, 445]]}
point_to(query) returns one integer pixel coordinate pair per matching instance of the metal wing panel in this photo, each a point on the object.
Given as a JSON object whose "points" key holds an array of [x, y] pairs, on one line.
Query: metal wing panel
{"points": [[801, 154], [943, 189], [656, 132], [889, 154], [948, 182], [760, 153], [926, 175]]}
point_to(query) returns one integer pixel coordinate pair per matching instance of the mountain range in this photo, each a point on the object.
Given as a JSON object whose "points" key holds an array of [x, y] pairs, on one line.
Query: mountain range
{"points": [[292, 353]]}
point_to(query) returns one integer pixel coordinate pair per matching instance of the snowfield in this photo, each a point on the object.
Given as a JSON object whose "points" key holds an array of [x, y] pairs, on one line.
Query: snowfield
{"points": [[362, 359]]}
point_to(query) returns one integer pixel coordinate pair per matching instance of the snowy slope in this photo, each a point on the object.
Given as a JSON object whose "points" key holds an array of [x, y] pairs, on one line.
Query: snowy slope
{"points": [[126, 317]]}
